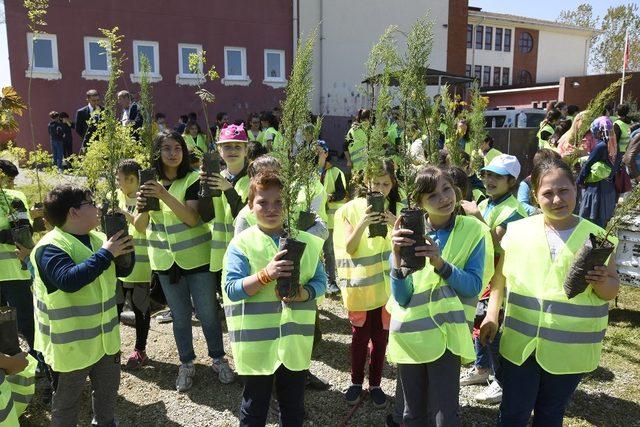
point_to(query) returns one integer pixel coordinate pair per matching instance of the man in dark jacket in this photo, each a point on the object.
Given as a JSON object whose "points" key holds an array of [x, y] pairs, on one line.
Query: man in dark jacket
{"points": [[67, 140], [131, 114], [87, 117]]}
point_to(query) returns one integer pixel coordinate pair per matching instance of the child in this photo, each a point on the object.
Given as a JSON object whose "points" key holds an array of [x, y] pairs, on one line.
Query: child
{"points": [[547, 128], [549, 341], [488, 152], [254, 133], [180, 253], [74, 286], [56, 136], [270, 134], [137, 284], [497, 211], [355, 142], [9, 365], [196, 142], [363, 273], [431, 309]]}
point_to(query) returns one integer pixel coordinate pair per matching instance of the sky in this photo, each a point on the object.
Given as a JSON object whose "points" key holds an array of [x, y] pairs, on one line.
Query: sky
{"points": [[545, 9]]}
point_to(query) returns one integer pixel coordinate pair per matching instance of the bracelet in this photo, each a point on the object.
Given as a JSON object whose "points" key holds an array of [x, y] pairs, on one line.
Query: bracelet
{"points": [[263, 277]]}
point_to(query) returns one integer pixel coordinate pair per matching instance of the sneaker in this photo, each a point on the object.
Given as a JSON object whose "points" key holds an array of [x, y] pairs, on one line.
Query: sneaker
{"points": [[224, 371], [353, 394], [378, 397], [333, 289], [491, 394], [474, 376], [165, 317], [316, 383], [137, 360], [185, 376]]}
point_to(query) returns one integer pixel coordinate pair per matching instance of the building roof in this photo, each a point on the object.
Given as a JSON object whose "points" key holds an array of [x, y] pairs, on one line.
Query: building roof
{"points": [[475, 12], [431, 77]]}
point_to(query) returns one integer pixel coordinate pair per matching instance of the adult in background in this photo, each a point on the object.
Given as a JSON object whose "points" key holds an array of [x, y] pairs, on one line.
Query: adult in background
{"points": [[182, 124], [56, 138], [161, 122], [87, 117], [131, 115], [67, 140], [222, 120]]}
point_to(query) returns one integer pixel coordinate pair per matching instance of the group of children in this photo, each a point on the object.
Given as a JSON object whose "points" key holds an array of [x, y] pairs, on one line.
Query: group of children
{"points": [[429, 322]]}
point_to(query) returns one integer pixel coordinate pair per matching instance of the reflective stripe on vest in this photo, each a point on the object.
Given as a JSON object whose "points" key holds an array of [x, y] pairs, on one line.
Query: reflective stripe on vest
{"points": [[23, 385], [171, 240], [141, 269], [565, 334], [265, 332], [330, 177], [436, 318], [9, 263], [625, 133], [75, 329], [8, 415], [364, 275], [222, 224]]}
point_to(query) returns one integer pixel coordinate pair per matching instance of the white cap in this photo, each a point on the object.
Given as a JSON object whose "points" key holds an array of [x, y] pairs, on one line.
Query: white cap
{"points": [[504, 164]]}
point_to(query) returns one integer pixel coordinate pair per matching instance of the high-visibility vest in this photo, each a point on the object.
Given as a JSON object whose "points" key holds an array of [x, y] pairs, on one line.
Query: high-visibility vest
{"points": [[142, 269], [364, 275], [8, 415], [75, 329], [357, 147], [501, 212], [271, 134], [491, 154], [330, 177], [265, 332], [23, 386], [171, 240], [625, 135], [10, 267], [437, 318], [565, 334], [254, 137], [542, 143], [198, 145]]}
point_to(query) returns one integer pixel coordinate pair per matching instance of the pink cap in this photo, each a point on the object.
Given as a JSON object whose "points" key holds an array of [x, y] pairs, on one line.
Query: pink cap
{"points": [[232, 133]]}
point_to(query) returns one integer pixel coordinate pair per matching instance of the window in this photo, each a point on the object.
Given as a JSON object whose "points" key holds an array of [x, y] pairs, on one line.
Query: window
{"points": [[96, 60], [488, 37], [469, 36], [507, 40], [274, 72], [486, 76], [467, 70], [43, 56], [505, 76], [150, 50], [498, 45], [185, 76], [496, 76], [477, 72], [235, 66], [525, 42], [524, 78], [479, 32]]}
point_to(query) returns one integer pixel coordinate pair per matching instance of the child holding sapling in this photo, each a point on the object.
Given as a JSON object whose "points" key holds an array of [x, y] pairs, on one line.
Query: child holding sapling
{"points": [[137, 284], [549, 341], [432, 308], [363, 275]]}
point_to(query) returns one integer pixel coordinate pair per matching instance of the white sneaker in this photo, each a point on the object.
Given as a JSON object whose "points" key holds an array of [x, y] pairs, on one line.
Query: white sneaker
{"points": [[472, 376], [185, 376], [224, 371], [491, 394]]}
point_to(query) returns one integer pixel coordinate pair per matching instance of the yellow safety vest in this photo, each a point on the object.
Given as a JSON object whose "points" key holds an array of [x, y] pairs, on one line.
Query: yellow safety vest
{"points": [[23, 386], [330, 177], [142, 269], [265, 332], [199, 145], [501, 212], [357, 136], [271, 134], [565, 334], [364, 275], [625, 133], [9, 263], [75, 329], [171, 240], [542, 143], [437, 318], [491, 154], [8, 415], [254, 137]]}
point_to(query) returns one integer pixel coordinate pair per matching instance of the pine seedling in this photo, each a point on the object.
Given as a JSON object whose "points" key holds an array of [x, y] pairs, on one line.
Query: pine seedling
{"points": [[147, 131], [477, 130], [449, 120]]}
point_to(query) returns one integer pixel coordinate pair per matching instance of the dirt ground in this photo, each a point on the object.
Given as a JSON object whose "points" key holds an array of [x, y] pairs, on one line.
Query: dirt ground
{"points": [[610, 396]]}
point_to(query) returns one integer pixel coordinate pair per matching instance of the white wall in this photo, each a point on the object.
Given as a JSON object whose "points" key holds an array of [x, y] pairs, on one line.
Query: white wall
{"points": [[350, 29], [560, 54], [5, 73]]}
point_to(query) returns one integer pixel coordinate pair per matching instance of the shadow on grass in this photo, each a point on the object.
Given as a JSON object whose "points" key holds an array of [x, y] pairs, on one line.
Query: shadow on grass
{"points": [[601, 409], [601, 374], [624, 318], [131, 414]]}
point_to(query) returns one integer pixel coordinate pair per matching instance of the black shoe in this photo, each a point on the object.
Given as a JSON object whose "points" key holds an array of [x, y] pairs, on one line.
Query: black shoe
{"points": [[353, 394], [316, 383], [378, 397], [390, 422], [46, 396]]}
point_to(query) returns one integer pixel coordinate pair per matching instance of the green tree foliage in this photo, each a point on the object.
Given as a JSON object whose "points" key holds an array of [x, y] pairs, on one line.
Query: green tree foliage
{"points": [[449, 122], [197, 63], [11, 105], [475, 121], [147, 132]]}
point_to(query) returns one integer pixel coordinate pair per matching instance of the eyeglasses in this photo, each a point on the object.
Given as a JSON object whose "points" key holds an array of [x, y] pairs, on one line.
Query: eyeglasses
{"points": [[88, 202]]}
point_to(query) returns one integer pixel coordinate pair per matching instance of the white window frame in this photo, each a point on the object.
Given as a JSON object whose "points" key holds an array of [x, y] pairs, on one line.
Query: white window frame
{"points": [[187, 78], [52, 73], [275, 82], [153, 76], [242, 80], [88, 73]]}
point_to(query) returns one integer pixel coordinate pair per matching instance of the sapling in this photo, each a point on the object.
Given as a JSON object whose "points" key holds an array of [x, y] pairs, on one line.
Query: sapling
{"points": [[450, 126], [148, 173], [306, 155], [477, 129]]}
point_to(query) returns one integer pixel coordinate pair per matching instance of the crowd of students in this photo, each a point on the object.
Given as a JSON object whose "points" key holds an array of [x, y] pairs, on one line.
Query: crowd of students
{"points": [[475, 302]]}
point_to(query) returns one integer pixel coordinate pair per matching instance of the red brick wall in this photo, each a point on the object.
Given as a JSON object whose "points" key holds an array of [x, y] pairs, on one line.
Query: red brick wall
{"points": [[590, 86], [525, 61], [255, 25], [457, 36], [522, 99]]}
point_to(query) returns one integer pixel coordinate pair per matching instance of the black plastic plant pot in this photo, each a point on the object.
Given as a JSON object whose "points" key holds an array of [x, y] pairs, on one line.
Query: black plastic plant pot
{"points": [[413, 219], [38, 223], [9, 343], [151, 203], [376, 201], [590, 255], [23, 236], [210, 166], [306, 220], [114, 222], [288, 286]]}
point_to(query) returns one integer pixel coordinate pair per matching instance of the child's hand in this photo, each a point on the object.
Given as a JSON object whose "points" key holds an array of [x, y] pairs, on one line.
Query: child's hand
{"points": [[21, 252], [431, 251], [488, 330], [16, 364], [279, 267], [301, 296], [371, 217], [389, 218], [119, 245], [154, 189], [217, 182], [470, 208], [399, 238]]}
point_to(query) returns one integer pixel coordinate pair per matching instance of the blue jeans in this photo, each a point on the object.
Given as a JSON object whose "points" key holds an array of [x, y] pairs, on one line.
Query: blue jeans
{"points": [[58, 153], [200, 288], [529, 388], [488, 356]]}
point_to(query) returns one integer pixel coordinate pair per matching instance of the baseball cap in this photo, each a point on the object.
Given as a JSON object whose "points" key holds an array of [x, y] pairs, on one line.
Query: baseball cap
{"points": [[504, 164], [232, 133]]}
